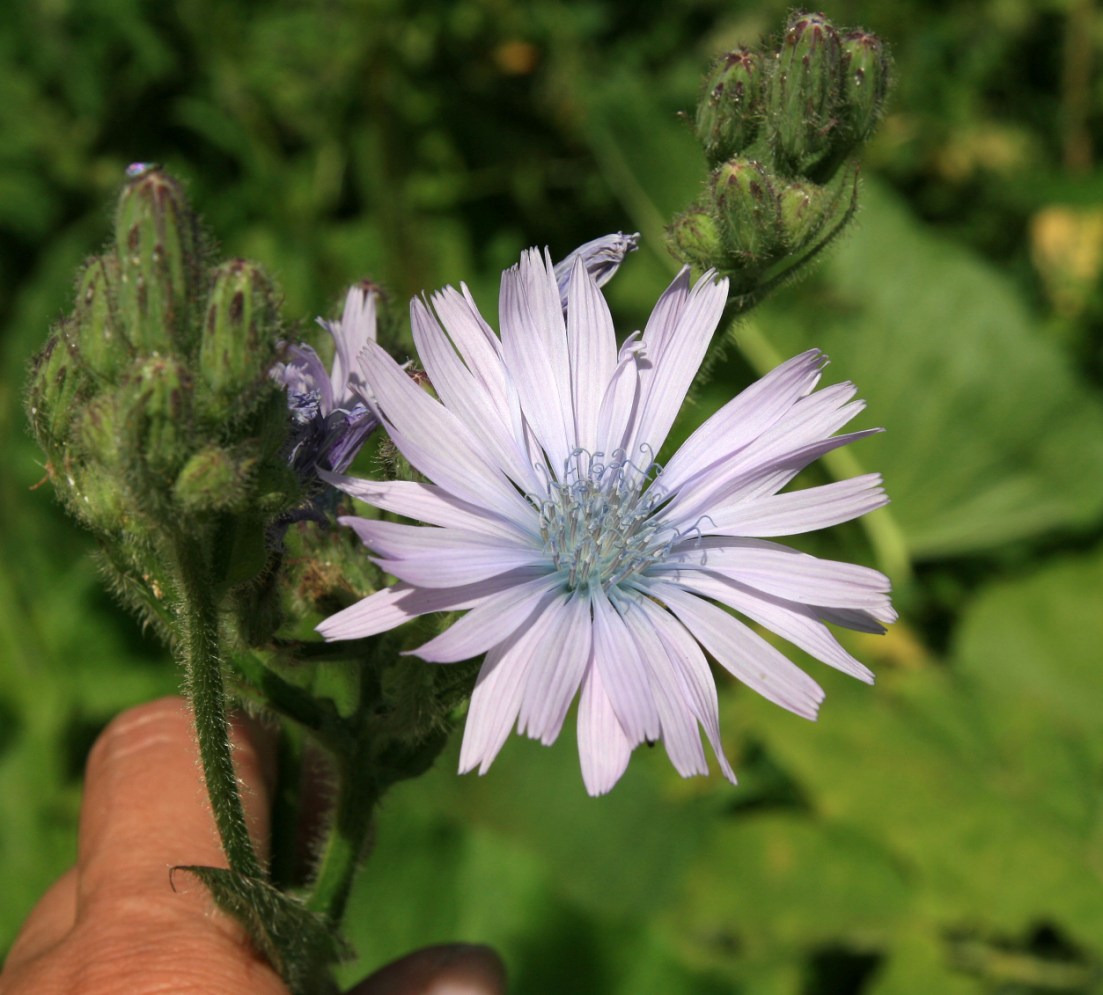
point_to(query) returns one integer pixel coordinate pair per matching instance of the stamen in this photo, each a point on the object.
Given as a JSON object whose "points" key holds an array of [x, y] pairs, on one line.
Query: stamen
{"points": [[597, 521]]}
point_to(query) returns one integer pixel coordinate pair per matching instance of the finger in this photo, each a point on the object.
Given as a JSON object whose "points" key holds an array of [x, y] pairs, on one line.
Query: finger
{"points": [[145, 807], [144, 810], [449, 969], [49, 922]]}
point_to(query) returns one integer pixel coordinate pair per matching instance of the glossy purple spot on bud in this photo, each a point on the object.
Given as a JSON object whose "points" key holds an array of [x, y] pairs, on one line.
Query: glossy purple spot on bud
{"points": [[136, 169]]}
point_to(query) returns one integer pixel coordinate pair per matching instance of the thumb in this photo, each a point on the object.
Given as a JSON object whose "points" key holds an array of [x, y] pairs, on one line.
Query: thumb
{"points": [[115, 922], [145, 806]]}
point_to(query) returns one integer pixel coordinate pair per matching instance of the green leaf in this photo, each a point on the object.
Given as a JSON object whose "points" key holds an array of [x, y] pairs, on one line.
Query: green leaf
{"points": [[1031, 647], [922, 764], [1034, 644], [534, 795], [438, 875], [780, 881], [918, 963], [300, 944]]}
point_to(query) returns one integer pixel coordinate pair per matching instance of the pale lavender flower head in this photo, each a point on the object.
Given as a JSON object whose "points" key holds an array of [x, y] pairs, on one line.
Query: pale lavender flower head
{"points": [[584, 569], [331, 418]]}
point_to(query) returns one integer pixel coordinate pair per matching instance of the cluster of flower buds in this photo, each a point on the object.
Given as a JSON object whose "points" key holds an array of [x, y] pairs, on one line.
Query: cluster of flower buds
{"points": [[152, 400], [781, 131]]}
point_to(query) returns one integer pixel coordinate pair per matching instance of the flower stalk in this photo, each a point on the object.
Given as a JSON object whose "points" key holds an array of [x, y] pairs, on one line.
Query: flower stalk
{"points": [[207, 694], [348, 838]]}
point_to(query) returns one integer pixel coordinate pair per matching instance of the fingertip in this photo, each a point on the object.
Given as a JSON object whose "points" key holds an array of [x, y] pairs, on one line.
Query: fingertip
{"points": [[447, 969]]}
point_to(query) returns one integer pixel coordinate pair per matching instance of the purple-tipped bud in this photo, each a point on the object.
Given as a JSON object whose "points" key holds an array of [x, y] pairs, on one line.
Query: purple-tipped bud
{"points": [[160, 256], [239, 341], [329, 416], [694, 238], [803, 94], [730, 108], [867, 75], [749, 209]]}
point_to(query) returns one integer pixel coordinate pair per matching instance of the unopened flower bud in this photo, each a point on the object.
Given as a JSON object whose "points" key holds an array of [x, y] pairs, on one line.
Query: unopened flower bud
{"points": [[803, 94], [729, 111], [811, 215], [694, 238], [159, 245], [98, 499], [749, 209], [867, 72], [239, 341], [100, 430], [214, 479], [99, 338], [58, 387], [800, 213], [157, 397]]}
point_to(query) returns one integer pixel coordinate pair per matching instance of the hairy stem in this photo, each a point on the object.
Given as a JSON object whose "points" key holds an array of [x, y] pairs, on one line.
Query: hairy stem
{"points": [[203, 662], [347, 838]]}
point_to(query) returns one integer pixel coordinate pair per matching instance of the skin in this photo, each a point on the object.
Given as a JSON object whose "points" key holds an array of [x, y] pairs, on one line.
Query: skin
{"points": [[113, 923]]}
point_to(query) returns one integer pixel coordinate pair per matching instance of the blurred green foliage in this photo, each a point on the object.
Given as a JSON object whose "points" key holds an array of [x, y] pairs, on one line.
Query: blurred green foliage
{"points": [[941, 832]]}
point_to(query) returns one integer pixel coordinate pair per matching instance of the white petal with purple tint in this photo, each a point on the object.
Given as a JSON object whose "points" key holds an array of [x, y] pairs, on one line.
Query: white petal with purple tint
{"points": [[603, 749]]}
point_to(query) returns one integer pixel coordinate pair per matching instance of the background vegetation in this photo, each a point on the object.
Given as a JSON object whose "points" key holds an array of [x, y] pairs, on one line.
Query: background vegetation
{"points": [[941, 832]]}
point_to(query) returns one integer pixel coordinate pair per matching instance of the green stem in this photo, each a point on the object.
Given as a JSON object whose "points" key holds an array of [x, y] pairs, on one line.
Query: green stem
{"points": [[347, 838], [287, 805], [207, 691]]}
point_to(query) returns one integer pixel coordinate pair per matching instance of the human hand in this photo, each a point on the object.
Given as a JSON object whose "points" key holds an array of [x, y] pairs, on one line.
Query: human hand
{"points": [[113, 923]]}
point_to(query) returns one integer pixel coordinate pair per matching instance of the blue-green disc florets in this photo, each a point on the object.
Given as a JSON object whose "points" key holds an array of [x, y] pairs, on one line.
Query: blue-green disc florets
{"points": [[599, 524]]}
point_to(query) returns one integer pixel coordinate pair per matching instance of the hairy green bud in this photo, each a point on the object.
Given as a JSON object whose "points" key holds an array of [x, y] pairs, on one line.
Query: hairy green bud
{"points": [[160, 258], [812, 215], [98, 336], [803, 95], [57, 390], [749, 210], [277, 489], [100, 431], [214, 479], [729, 111], [802, 213], [157, 399], [867, 74], [239, 340], [694, 238], [96, 496]]}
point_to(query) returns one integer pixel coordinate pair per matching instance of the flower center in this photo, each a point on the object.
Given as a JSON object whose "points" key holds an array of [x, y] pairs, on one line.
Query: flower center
{"points": [[597, 523]]}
